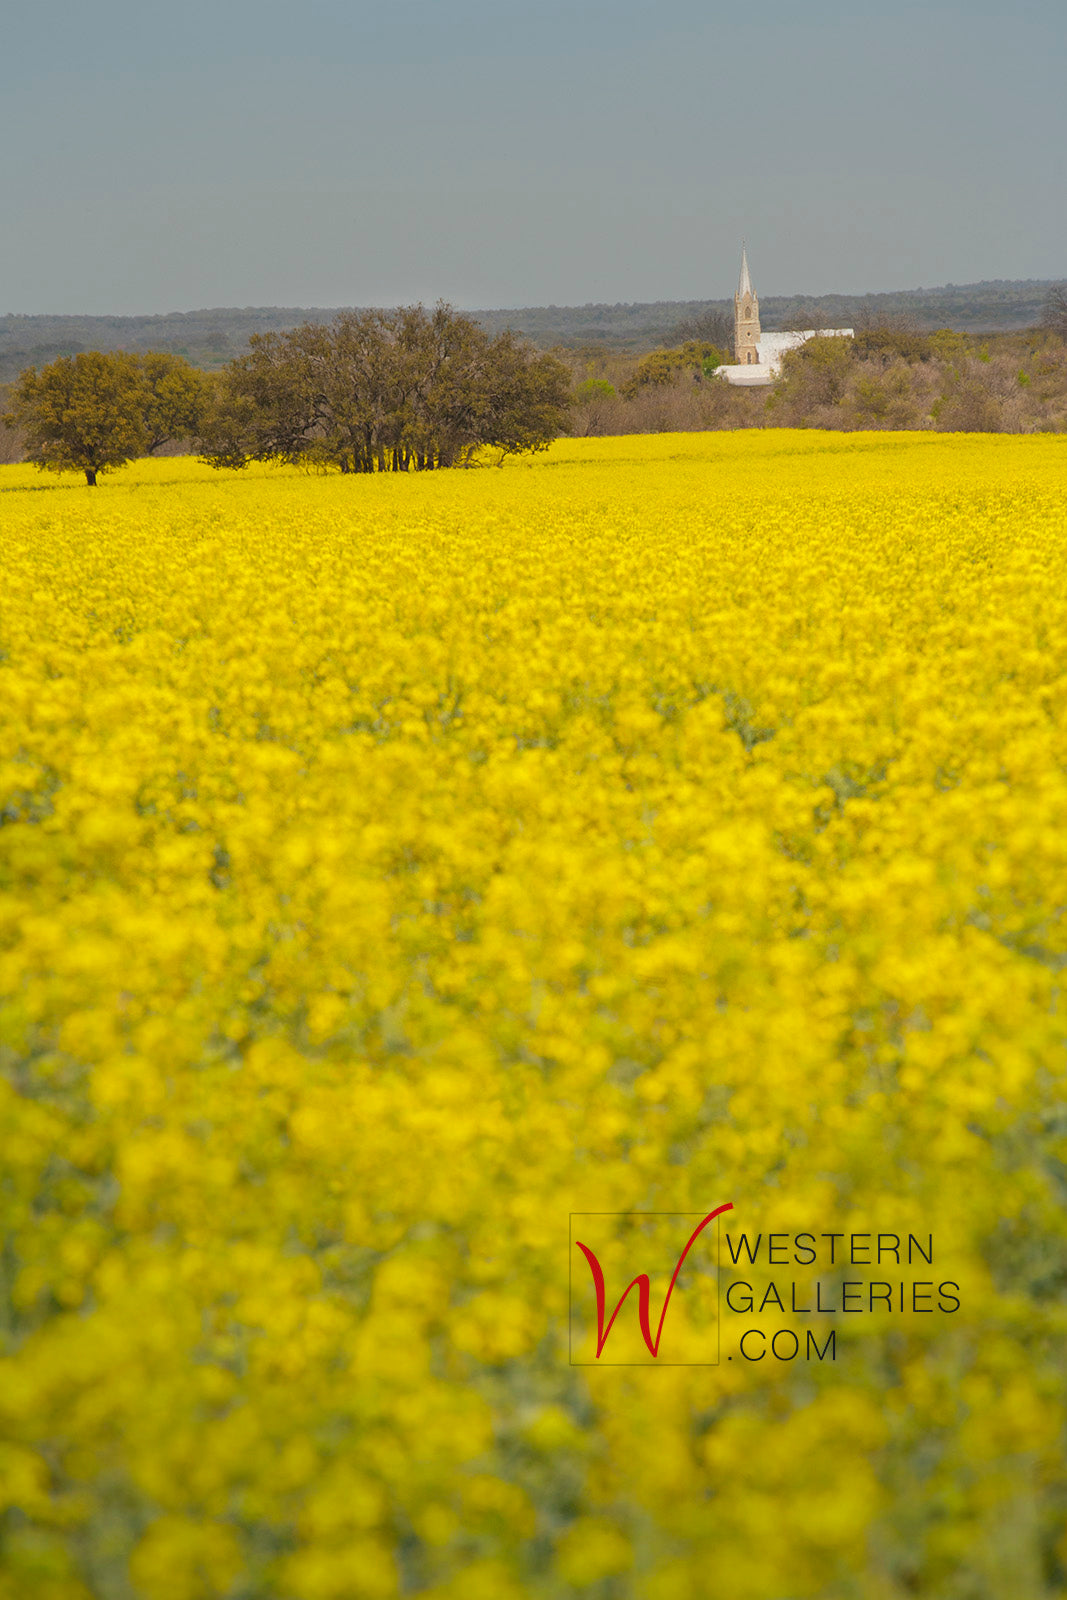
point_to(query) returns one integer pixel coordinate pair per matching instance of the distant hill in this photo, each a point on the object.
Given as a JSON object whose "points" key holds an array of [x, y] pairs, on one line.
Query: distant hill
{"points": [[970, 308], [211, 338]]}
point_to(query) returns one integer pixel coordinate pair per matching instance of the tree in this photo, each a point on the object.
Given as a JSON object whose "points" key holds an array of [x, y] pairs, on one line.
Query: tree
{"points": [[384, 391], [78, 413], [524, 401], [595, 402], [1055, 312], [713, 326], [11, 442], [697, 358], [173, 398], [814, 375], [95, 410], [890, 336], [591, 389]]}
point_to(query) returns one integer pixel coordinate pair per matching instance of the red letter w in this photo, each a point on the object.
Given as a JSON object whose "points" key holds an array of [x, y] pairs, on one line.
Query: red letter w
{"points": [[644, 1290]]}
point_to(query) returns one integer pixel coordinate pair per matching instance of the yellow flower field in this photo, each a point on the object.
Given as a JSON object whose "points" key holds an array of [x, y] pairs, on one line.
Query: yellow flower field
{"points": [[393, 866]]}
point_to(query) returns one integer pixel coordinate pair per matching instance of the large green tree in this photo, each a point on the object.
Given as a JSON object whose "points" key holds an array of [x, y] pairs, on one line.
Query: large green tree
{"points": [[98, 410], [385, 391]]}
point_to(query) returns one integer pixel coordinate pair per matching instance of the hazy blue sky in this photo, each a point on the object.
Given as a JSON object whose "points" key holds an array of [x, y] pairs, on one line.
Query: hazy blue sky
{"points": [[496, 153]]}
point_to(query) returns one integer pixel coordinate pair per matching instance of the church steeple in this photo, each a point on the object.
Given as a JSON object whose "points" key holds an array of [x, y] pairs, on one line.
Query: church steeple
{"points": [[744, 282], [746, 318]]}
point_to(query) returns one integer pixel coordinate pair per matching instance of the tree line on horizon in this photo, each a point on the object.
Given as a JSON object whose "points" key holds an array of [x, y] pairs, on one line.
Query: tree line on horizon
{"points": [[411, 390], [209, 338]]}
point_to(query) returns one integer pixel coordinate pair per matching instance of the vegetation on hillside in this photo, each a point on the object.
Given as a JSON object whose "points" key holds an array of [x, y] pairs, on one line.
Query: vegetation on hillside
{"points": [[695, 359], [211, 338], [891, 375]]}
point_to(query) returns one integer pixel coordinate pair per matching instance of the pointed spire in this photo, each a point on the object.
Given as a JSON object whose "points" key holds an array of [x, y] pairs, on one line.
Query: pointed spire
{"points": [[744, 283]]}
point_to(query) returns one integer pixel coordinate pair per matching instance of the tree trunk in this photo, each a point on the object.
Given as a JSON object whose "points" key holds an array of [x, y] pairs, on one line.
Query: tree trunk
{"points": [[90, 477]]}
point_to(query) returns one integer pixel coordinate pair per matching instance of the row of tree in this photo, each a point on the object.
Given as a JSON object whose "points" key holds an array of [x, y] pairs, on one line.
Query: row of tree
{"points": [[374, 391], [385, 391]]}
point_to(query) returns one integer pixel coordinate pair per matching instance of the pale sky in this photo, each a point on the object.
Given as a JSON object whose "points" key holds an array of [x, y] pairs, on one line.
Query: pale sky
{"points": [[498, 154]]}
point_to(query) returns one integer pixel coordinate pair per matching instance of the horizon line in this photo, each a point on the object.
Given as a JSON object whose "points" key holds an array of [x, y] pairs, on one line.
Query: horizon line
{"points": [[555, 305]]}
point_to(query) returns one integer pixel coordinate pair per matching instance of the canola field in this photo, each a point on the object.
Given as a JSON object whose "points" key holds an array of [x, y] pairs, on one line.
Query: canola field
{"points": [[391, 867]]}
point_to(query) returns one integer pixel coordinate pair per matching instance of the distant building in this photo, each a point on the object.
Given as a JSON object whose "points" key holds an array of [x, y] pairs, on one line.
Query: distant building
{"points": [[759, 355]]}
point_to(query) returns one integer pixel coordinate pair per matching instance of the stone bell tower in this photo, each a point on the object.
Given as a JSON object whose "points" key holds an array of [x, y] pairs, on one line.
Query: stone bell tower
{"points": [[746, 318]]}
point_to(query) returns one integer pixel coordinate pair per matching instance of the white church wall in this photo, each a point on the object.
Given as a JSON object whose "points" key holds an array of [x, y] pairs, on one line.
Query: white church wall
{"points": [[772, 347]]}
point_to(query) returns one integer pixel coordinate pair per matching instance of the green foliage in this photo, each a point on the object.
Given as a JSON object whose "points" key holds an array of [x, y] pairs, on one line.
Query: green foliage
{"points": [[696, 357], [594, 389], [948, 345], [174, 396], [872, 397], [385, 391], [77, 414], [98, 410]]}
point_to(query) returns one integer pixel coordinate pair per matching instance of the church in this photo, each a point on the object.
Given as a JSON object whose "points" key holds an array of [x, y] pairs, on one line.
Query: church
{"points": [[758, 355]]}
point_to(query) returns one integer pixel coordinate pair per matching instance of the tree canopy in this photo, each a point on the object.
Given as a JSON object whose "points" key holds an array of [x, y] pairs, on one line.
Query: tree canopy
{"points": [[696, 357], [98, 410], [399, 390]]}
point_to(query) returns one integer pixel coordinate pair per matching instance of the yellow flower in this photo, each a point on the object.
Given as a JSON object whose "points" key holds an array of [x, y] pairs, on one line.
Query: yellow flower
{"points": [[391, 868]]}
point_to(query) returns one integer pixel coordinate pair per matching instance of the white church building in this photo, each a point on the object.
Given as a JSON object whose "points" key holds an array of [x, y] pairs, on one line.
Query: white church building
{"points": [[758, 356]]}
